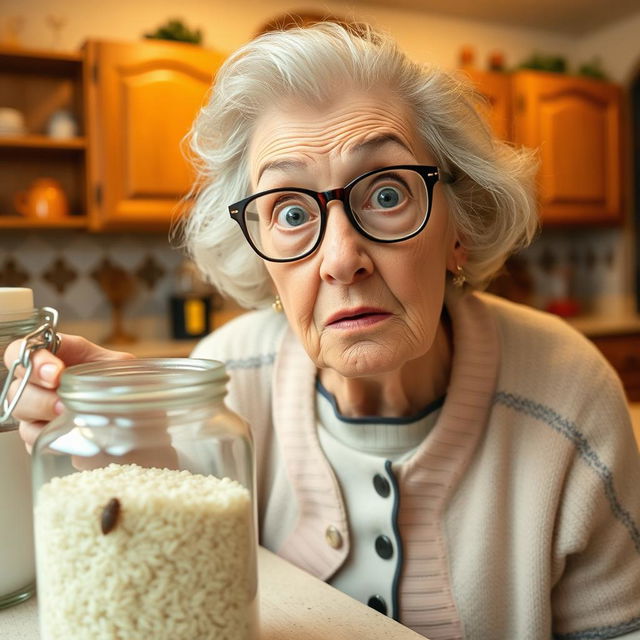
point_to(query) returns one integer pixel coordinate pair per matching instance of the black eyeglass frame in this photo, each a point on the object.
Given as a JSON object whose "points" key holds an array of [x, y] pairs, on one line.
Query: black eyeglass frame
{"points": [[430, 175]]}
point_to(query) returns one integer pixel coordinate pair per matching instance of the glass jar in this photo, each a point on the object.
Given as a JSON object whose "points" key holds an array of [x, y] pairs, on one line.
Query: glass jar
{"points": [[144, 506], [18, 319]]}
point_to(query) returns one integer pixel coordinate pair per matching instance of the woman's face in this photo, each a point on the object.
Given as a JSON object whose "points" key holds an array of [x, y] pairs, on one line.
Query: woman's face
{"points": [[359, 307]]}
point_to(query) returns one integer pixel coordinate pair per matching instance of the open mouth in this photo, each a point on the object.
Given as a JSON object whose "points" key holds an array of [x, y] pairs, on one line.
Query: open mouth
{"points": [[358, 319]]}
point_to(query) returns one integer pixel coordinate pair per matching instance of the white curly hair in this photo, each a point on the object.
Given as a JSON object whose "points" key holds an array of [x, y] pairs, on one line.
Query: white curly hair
{"points": [[491, 200]]}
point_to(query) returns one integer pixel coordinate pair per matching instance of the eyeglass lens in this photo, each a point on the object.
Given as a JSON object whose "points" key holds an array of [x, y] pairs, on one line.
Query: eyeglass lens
{"points": [[389, 205]]}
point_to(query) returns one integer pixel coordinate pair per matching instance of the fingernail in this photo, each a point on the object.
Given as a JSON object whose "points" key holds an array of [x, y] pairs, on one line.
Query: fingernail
{"points": [[58, 407], [48, 372]]}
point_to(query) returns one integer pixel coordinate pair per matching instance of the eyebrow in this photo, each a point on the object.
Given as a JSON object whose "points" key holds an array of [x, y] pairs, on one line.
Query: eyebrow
{"points": [[362, 147], [280, 165], [379, 141]]}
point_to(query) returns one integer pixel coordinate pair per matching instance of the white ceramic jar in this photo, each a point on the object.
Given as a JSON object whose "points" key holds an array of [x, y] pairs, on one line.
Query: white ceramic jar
{"points": [[17, 565]]}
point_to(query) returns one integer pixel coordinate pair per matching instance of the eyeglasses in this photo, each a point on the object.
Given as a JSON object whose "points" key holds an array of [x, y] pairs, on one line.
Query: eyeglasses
{"points": [[386, 205]]}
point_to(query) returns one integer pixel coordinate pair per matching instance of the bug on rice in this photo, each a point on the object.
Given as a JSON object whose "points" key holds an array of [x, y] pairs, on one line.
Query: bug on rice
{"points": [[110, 515]]}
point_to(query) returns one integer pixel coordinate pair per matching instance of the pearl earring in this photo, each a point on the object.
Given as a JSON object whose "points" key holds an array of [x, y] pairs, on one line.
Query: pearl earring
{"points": [[276, 305], [459, 278]]}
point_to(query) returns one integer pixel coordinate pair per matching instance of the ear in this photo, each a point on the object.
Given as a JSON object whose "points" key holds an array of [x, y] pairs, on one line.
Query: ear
{"points": [[457, 256]]}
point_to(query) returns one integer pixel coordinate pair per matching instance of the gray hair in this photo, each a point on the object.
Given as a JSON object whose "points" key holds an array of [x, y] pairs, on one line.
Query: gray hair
{"points": [[491, 199]]}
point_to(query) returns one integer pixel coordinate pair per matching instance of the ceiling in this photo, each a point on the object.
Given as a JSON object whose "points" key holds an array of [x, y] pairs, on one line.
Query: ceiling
{"points": [[570, 17]]}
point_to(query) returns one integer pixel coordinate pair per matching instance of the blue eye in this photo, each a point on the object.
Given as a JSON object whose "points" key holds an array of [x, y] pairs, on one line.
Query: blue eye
{"points": [[293, 216], [387, 197]]}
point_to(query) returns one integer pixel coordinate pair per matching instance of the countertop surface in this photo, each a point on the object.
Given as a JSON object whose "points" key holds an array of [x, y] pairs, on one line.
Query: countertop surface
{"points": [[156, 348], [593, 326], [293, 606]]}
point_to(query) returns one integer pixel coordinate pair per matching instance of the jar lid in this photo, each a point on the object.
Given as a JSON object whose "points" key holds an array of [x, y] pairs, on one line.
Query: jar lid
{"points": [[16, 303]]}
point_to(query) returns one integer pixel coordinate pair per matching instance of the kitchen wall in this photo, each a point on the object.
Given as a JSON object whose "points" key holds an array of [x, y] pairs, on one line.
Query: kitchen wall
{"points": [[425, 36], [618, 47], [600, 262], [227, 25], [62, 268]]}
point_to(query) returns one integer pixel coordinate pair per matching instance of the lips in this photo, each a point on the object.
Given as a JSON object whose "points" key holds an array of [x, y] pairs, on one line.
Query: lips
{"points": [[359, 316]]}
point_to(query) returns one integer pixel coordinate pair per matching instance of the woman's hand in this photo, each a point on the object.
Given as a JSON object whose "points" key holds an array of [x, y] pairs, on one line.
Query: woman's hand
{"points": [[39, 402]]}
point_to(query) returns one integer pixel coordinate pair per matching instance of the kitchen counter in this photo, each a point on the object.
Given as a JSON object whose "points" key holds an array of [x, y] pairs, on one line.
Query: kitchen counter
{"points": [[293, 606], [157, 348], [593, 326], [152, 341]]}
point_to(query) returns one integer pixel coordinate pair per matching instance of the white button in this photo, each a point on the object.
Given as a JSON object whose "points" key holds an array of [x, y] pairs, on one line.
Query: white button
{"points": [[333, 537]]}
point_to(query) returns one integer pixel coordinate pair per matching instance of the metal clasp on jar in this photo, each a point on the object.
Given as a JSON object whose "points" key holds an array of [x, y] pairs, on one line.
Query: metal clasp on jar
{"points": [[44, 337]]}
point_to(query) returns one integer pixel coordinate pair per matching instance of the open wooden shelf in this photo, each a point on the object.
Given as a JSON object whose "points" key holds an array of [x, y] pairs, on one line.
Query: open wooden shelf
{"points": [[22, 60], [39, 83], [33, 141], [20, 222], [117, 181]]}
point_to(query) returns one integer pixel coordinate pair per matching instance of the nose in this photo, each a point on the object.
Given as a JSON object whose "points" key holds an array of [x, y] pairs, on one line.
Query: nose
{"points": [[344, 252]]}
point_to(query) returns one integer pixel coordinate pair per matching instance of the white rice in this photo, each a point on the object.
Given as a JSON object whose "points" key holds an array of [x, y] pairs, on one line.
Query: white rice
{"points": [[178, 564]]}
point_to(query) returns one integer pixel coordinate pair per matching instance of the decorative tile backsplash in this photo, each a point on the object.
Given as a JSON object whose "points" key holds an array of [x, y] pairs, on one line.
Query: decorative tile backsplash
{"points": [[587, 266], [72, 271], [66, 270]]}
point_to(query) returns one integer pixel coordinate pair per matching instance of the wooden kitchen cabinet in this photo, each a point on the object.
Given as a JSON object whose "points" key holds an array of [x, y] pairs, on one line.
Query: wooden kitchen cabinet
{"points": [[495, 89], [142, 99], [574, 122], [623, 352], [38, 83], [133, 102]]}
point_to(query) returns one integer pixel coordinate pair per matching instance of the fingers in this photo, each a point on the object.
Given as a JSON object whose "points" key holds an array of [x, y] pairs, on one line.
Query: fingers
{"points": [[36, 403], [39, 402], [47, 367], [29, 431]]}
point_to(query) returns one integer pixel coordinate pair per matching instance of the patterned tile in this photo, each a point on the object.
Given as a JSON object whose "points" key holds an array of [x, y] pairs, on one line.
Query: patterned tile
{"points": [[83, 252], [60, 275], [36, 254], [13, 275], [47, 261], [12, 240], [61, 267], [150, 272], [113, 279], [45, 295], [167, 255], [127, 253], [592, 264], [84, 298]]}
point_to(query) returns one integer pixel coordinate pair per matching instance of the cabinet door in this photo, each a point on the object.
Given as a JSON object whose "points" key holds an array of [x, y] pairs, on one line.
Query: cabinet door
{"points": [[623, 352], [142, 100], [575, 125], [495, 89]]}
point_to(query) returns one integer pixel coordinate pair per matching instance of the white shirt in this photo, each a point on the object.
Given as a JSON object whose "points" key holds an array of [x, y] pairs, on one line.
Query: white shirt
{"points": [[362, 452]]}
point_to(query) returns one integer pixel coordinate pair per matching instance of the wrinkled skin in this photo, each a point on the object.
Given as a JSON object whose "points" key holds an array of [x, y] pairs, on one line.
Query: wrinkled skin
{"points": [[394, 358]]}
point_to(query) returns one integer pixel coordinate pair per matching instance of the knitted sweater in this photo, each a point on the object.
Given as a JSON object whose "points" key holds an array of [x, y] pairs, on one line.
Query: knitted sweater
{"points": [[519, 513]]}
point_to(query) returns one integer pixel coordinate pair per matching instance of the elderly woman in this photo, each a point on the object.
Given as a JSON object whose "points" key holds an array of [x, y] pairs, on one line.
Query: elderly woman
{"points": [[461, 463]]}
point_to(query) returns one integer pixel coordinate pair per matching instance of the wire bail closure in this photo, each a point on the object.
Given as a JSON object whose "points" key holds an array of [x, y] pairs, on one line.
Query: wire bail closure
{"points": [[44, 337]]}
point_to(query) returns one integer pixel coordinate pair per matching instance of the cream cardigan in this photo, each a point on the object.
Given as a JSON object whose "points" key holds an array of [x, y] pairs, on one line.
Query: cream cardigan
{"points": [[520, 512]]}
